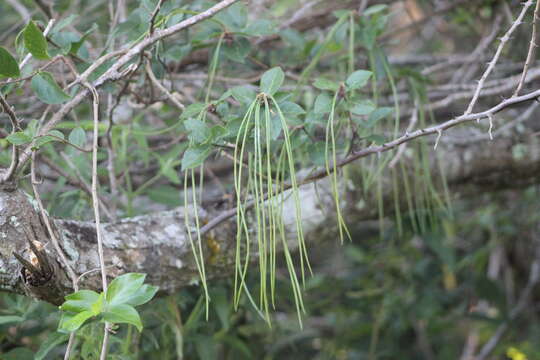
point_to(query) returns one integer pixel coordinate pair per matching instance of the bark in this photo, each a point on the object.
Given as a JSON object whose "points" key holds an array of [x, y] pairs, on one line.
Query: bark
{"points": [[157, 244]]}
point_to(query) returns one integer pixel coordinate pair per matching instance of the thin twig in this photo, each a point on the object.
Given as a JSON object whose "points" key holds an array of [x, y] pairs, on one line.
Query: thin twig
{"points": [[153, 17], [532, 49], [15, 126], [493, 61], [162, 88], [95, 205]]}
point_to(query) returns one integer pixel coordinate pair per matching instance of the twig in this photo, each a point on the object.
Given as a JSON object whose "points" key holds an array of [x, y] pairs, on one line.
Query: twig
{"points": [[153, 17], [532, 49], [111, 169], [15, 126], [162, 88], [493, 61], [95, 205]]}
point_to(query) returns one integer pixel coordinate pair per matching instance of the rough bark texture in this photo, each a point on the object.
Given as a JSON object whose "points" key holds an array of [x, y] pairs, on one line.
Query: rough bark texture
{"points": [[157, 243]]}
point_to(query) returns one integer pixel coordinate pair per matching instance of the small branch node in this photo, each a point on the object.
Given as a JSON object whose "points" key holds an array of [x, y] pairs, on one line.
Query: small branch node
{"points": [[439, 134]]}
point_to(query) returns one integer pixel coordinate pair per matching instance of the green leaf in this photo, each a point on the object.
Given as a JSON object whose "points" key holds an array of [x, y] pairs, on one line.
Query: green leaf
{"points": [[192, 110], [316, 153], [325, 84], [47, 90], [194, 156], [6, 319], [123, 314], [261, 27], [8, 64], [272, 80], [243, 94], [35, 42], [81, 300], [217, 132], [53, 340], [53, 135], [71, 322], [289, 108], [198, 131], [237, 50], [323, 104], [167, 165], [358, 79], [379, 114], [18, 138], [362, 108], [77, 137], [42, 140], [143, 295], [123, 287], [98, 305]]}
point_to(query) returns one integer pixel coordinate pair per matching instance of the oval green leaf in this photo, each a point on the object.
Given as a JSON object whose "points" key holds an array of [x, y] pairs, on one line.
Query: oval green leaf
{"points": [[123, 287], [18, 138], [35, 41], [123, 314], [8, 64], [358, 79], [272, 80], [47, 90]]}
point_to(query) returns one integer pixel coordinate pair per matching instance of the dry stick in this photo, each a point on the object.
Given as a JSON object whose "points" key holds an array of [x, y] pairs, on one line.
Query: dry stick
{"points": [[111, 170], [436, 129], [534, 277], [493, 61], [532, 48], [162, 88], [95, 205], [114, 72], [15, 126], [153, 17]]}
